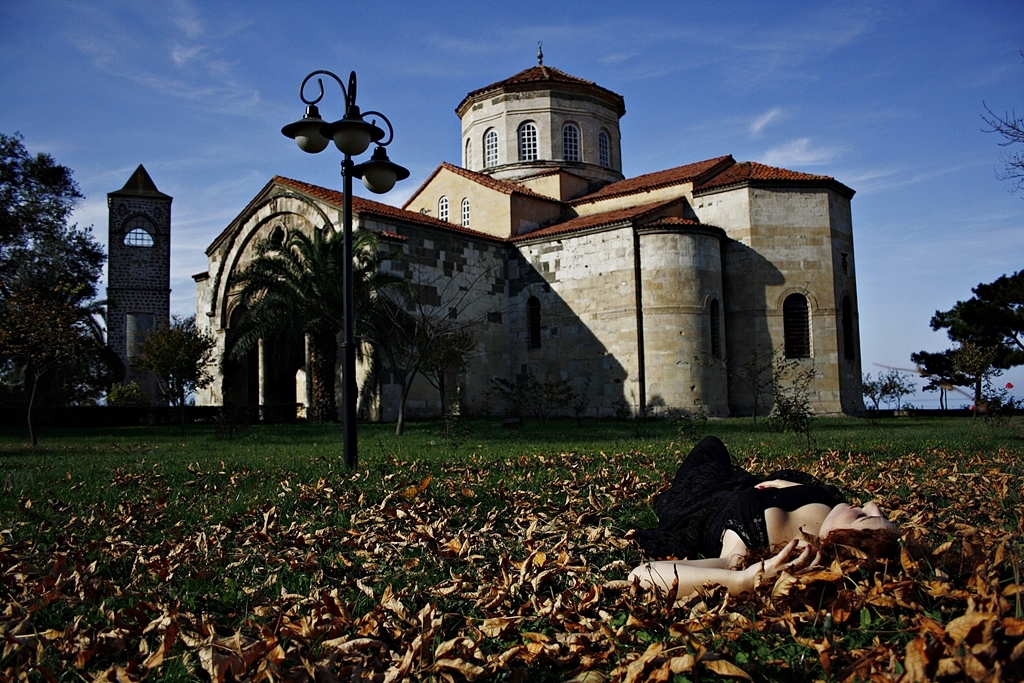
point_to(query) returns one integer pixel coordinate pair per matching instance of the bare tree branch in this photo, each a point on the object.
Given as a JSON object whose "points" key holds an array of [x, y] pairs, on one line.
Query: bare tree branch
{"points": [[1011, 128]]}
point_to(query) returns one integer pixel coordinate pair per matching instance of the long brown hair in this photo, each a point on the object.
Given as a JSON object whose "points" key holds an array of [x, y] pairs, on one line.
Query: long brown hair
{"points": [[877, 544]]}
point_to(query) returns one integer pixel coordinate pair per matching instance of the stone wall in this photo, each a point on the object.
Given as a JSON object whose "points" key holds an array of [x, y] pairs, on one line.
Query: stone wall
{"points": [[586, 285], [462, 279], [682, 277], [784, 240]]}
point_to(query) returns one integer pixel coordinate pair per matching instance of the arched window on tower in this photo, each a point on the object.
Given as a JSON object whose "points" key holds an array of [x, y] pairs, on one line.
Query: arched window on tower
{"points": [[277, 236], [604, 149], [716, 329], [491, 148], [849, 346], [528, 142], [533, 321], [796, 326], [138, 232], [465, 212], [469, 153], [442, 208], [570, 142]]}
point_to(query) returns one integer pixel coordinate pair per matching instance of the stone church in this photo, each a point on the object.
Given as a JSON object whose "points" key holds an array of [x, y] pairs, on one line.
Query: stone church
{"points": [[655, 290]]}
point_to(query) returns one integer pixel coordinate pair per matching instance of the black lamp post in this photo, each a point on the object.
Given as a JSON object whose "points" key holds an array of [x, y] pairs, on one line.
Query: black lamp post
{"points": [[352, 135]]}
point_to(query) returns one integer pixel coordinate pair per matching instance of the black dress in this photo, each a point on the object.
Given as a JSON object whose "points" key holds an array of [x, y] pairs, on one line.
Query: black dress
{"points": [[710, 495]]}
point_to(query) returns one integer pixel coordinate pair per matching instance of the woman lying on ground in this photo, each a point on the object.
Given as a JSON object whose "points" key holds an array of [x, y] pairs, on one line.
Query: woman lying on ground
{"points": [[719, 511]]}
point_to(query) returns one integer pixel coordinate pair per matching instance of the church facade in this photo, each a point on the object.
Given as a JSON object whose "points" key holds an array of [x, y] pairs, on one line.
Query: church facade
{"points": [[658, 291]]}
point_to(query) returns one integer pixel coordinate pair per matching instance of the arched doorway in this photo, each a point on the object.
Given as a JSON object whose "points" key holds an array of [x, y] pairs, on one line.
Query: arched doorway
{"points": [[241, 376]]}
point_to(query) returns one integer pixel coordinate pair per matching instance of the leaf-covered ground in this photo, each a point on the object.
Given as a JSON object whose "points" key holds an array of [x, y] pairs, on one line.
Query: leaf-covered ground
{"points": [[161, 564]]}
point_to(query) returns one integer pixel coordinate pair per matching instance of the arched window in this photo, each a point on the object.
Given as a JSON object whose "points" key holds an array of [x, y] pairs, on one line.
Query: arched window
{"points": [[849, 345], [465, 212], [137, 327], [570, 142], [533, 321], [469, 153], [491, 148], [277, 236], [796, 328], [528, 142], [137, 233], [716, 336], [604, 149], [442, 208]]}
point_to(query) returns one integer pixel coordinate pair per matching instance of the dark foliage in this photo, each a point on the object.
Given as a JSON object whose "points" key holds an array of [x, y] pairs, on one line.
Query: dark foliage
{"points": [[51, 342]]}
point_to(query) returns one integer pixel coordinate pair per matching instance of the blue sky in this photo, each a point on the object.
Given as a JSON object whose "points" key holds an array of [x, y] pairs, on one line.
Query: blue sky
{"points": [[883, 96]]}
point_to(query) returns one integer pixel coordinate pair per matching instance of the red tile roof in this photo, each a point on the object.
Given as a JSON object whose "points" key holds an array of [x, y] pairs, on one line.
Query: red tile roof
{"points": [[504, 186], [542, 74], [551, 172], [598, 220], [673, 220], [746, 171], [361, 205], [694, 172]]}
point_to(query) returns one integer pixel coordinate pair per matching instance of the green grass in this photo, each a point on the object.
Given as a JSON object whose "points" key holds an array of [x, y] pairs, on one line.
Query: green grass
{"points": [[208, 476], [230, 526]]}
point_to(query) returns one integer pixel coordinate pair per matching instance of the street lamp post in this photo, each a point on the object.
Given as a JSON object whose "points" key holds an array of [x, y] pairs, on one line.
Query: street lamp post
{"points": [[352, 135]]}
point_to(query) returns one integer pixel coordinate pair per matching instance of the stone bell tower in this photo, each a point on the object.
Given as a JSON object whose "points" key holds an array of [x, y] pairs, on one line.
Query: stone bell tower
{"points": [[138, 273]]}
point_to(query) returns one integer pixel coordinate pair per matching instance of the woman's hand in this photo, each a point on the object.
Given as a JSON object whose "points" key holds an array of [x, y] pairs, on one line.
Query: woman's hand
{"points": [[771, 567], [776, 484]]}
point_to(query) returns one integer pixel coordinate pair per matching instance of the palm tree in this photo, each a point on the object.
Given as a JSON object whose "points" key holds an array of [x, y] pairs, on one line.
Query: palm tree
{"points": [[296, 283]]}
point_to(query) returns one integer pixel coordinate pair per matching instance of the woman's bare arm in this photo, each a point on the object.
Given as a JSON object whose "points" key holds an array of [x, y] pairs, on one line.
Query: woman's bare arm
{"points": [[690, 575]]}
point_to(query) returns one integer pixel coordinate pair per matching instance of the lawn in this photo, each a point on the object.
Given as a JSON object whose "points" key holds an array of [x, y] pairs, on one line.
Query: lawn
{"points": [[471, 552]]}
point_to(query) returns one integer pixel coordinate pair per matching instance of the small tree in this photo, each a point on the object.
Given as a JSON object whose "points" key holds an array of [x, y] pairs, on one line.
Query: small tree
{"points": [[894, 386], [448, 355], [976, 363], [179, 355], [42, 331], [872, 389], [755, 373], [791, 383], [942, 377], [412, 325]]}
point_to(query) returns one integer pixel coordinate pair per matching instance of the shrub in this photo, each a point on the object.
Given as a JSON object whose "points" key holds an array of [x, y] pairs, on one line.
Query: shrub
{"points": [[126, 395], [692, 424], [792, 411], [541, 399]]}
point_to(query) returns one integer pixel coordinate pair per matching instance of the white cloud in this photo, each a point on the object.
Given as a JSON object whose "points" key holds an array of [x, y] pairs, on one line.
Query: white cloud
{"points": [[187, 64], [616, 58], [763, 120], [800, 152], [182, 55], [906, 177]]}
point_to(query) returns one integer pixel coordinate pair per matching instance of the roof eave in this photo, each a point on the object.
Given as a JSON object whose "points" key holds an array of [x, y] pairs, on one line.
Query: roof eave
{"points": [[594, 197], [830, 183], [617, 100]]}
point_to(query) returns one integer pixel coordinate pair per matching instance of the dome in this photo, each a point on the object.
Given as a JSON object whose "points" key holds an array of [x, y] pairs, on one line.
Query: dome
{"points": [[539, 120]]}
